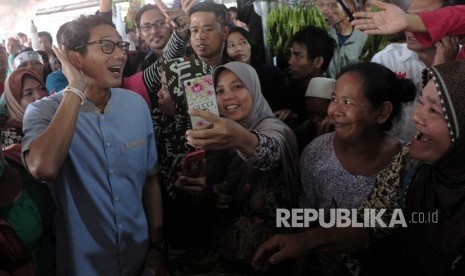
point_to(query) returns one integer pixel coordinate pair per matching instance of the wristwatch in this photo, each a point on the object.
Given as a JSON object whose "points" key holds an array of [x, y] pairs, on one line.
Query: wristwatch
{"points": [[160, 246]]}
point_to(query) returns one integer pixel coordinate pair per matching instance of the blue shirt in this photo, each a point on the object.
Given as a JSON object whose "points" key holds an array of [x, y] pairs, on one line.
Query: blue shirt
{"points": [[56, 81], [100, 225]]}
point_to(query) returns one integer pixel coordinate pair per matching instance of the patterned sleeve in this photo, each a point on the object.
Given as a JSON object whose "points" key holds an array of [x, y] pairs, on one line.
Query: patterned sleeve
{"points": [[387, 191], [175, 48], [267, 154]]}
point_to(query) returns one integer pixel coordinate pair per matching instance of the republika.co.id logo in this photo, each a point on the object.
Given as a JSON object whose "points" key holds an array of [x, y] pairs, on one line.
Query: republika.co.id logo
{"points": [[326, 218]]}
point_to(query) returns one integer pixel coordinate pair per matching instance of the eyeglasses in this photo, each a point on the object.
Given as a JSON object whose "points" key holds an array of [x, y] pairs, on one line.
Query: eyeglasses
{"points": [[108, 46], [157, 25]]}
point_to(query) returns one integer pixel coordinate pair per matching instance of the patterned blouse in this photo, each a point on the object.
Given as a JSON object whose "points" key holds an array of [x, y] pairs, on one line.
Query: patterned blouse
{"points": [[326, 184], [11, 136]]}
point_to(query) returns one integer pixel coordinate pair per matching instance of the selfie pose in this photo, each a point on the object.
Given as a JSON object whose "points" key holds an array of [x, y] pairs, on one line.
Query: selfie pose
{"points": [[259, 172]]}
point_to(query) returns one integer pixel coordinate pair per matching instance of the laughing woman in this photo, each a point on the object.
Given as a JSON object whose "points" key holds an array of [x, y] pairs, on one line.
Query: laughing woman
{"points": [[261, 167]]}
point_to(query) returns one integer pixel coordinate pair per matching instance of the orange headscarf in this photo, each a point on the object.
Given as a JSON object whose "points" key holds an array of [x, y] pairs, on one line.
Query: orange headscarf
{"points": [[13, 89]]}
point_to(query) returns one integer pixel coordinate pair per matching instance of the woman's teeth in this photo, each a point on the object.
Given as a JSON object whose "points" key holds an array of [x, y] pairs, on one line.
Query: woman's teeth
{"points": [[229, 107], [421, 137]]}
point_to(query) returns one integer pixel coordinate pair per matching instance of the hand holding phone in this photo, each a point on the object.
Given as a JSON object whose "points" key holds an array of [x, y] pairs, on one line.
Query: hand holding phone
{"points": [[192, 163], [164, 10]]}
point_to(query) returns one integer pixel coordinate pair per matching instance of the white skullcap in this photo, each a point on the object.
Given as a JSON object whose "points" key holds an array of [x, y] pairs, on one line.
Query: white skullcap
{"points": [[320, 88], [27, 56]]}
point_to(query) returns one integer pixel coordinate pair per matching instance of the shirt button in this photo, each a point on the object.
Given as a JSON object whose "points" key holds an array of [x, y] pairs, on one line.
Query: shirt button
{"points": [[120, 226], [111, 171], [116, 198], [108, 144]]}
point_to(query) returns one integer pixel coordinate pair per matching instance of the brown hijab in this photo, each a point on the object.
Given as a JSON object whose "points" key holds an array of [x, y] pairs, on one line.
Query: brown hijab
{"points": [[433, 247], [13, 89]]}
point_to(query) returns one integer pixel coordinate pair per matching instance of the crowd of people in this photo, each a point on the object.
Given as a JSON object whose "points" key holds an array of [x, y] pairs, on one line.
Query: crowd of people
{"points": [[96, 136]]}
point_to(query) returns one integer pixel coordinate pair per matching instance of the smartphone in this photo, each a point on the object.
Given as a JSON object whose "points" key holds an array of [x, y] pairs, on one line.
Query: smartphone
{"points": [[200, 94], [164, 10], [192, 163]]}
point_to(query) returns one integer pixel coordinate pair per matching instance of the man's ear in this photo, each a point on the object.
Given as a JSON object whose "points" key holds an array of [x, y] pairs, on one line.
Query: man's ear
{"points": [[384, 111], [75, 59], [318, 62], [224, 33]]}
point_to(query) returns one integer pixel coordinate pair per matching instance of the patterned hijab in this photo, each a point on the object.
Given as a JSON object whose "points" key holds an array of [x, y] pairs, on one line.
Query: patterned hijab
{"points": [[441, 186], [13, 89], [262, 120], [171, 130]]}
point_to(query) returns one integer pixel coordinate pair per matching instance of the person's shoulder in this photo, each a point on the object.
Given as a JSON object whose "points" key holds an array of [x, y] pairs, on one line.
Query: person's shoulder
{"points": [[56, 81], [359, 34], [52, 101], [393, 50], [324, 139], [317, 145], [128, 97]]}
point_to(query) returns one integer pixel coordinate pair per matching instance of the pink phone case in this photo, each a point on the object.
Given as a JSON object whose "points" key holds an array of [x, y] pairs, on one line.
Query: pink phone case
{"points": [[200, 94]]}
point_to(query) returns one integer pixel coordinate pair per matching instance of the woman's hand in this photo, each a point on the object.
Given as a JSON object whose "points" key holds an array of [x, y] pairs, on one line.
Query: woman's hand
{"points": [[195, 186], [221, 135], [279, 248], [76, 78]]}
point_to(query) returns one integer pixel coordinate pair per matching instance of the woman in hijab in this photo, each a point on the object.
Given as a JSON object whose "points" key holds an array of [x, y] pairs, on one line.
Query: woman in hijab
{"points": [[432, 245], [438, 186], [22, 87], [261, 169], [241, 47]]}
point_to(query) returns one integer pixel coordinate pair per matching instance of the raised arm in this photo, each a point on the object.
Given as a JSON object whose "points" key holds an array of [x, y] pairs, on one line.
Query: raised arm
{"points": [[104, 6], [391, 19], [46, 153], [175, 48], [439, 23]]}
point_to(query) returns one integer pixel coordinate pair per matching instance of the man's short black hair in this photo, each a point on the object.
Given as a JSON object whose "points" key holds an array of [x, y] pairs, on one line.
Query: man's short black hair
{"points": [[47, 35], [318, 44], [77, 32], [217, 9]]}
